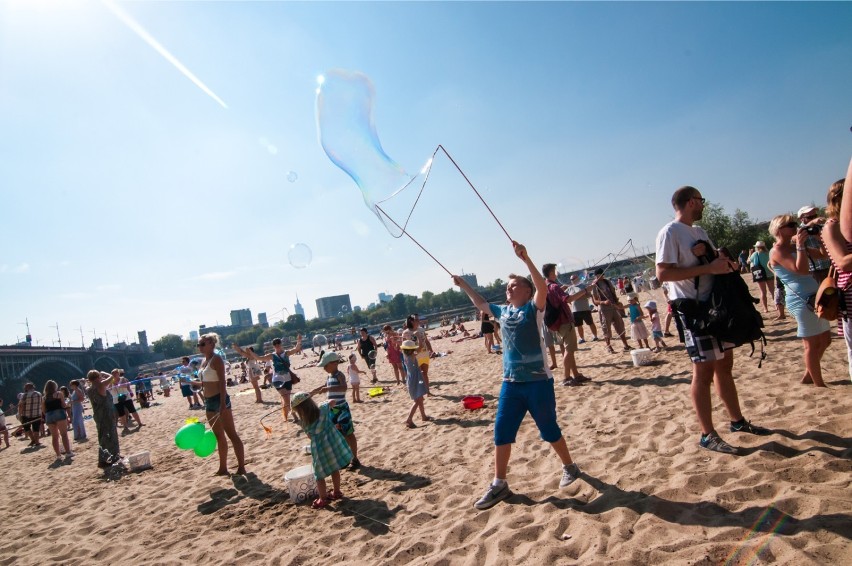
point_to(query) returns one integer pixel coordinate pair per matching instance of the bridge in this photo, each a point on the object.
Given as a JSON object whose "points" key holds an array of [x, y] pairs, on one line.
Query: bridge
{"points": [[38, 364]]}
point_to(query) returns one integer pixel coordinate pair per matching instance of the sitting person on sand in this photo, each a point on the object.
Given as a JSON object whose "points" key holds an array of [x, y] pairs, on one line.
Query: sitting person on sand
{"points": [[329, 450], [414, 382], [527, 382]]}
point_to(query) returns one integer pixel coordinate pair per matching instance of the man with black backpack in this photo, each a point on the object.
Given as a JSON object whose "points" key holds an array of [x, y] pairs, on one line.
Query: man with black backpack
{"points": [[680, 249], [559, 318]]}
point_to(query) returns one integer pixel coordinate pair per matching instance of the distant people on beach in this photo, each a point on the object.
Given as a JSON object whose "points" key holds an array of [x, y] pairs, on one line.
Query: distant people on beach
{"points": [[4, 431], [368, 350], [29, 413], [818, 260], [424, 347], [56, 418], [354, 373], [581, 309], [282, 377], [527, 382], [77, 423], [638, 330], [761, 272], [678, 262], [789, 260], [604, 297], [185, 381], [392, 343], [105, 417], [414, 383], [563, 324], [486, 328]]}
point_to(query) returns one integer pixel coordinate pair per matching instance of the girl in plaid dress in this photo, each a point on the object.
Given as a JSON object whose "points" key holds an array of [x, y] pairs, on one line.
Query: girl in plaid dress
{"points": [[329, 450]]}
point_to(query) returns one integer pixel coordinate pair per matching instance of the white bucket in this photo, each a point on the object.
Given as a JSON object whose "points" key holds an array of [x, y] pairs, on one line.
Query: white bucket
{"points": [[139, 461], [641, 357], [301, 483]]}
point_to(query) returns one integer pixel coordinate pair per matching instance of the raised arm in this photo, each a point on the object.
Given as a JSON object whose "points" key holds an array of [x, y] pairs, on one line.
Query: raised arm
{"points": [[297, 348], [540, 284], [474, 297]]}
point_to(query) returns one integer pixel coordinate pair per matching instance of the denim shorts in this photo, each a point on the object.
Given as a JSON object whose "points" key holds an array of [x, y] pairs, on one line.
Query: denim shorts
{"points": [[213, 403], [55, 416], [519, 397]]}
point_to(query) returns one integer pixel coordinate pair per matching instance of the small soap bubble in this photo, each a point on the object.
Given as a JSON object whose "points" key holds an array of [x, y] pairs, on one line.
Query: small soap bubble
{"points": [[292, 176], [320, 341], [300, 256]]}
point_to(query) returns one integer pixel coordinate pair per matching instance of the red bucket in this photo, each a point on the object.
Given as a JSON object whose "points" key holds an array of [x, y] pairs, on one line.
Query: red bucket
{"points": [[473, 402]]}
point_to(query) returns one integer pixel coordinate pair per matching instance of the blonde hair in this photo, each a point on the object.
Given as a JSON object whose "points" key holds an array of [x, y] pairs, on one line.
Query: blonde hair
{"points": [[776, 223], [523, 280], [834, 198], [212, 336]]}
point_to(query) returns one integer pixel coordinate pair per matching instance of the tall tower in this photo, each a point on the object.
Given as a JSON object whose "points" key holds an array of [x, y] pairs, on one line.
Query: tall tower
{"points": [[298, 307]]}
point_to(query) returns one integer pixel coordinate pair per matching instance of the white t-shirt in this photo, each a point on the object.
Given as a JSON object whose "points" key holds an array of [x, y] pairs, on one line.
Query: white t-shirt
{"points": [[674, 245]]}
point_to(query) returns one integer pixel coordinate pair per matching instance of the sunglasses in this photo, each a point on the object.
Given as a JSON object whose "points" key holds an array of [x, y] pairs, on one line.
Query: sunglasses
{"points": [[201, 344], [703, 200], [790, 225]]}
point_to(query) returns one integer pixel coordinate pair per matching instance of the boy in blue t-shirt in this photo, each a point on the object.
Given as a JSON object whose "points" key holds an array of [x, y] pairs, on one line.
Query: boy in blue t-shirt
{"points": [[527, 383]]}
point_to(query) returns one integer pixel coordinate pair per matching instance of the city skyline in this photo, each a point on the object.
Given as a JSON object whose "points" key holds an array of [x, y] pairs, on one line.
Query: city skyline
{"points": [[160, 161]]}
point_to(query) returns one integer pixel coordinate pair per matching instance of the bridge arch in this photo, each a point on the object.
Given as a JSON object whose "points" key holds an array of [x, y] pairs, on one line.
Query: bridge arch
{"points": [[51, 367], [106, 363]]}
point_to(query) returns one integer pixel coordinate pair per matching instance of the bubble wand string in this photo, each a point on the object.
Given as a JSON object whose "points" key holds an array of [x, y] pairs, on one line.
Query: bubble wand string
{"points": [[413, 240]]}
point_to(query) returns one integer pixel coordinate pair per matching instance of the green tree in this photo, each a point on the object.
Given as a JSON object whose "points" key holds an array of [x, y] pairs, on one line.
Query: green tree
{"points": [[172, 346], [716, 223]]}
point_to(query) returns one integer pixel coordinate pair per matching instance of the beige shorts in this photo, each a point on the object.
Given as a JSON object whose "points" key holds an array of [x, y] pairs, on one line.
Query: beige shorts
{"points": [[569, 336]]}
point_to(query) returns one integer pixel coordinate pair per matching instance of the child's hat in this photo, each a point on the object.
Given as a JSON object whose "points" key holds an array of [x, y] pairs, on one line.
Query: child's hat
{"points": [[329, 357], [408, 345], [651, 305], [298, 398]]}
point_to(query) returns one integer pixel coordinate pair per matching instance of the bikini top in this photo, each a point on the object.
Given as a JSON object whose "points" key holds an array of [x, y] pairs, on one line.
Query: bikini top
{"points": [[208, 374]]}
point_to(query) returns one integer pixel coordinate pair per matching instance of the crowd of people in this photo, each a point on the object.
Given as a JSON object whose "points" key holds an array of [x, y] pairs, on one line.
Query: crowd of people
{"points": [[538, 313]]}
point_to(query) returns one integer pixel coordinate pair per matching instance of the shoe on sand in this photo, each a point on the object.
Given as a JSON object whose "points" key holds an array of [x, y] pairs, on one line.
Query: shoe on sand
{"points": [[569, 474], [493, 496], [716, 444]]}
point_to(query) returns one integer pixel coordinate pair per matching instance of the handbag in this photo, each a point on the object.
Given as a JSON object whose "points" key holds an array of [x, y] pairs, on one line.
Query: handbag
{"points": [[827, 300], [294, 379], [758, 273]]}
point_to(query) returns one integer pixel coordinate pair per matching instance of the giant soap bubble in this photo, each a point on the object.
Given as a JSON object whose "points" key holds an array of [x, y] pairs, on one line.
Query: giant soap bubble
{"points": [[300, 256], [347, 134]]}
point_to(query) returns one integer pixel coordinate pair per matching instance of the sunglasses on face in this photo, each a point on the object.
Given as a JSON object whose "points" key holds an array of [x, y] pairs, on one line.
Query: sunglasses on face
{"points": [[201, 344], [790, 225]]}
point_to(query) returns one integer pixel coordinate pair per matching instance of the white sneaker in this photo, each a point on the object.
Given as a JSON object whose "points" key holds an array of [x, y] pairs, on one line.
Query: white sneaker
{"points": [[493, 496], [569, 474]]}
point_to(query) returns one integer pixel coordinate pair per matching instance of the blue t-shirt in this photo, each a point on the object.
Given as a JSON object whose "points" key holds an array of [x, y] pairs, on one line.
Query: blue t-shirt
{"points": [[523, 347]]}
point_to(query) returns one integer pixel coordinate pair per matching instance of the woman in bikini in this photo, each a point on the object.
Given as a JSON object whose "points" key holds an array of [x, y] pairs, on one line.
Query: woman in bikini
{"points": [[218, 405]]}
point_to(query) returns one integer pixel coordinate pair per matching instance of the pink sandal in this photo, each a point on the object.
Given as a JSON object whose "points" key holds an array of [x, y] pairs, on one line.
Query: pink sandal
{"points": [[319, 503]]}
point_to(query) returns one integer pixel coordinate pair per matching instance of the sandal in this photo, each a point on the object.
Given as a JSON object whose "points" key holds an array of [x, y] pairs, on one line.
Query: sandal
{"points": [[429, 418], [410, 424], [334, 495], [319, 503]]}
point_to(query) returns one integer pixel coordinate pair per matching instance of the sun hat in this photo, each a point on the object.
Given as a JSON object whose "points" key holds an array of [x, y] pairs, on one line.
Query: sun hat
{"points": [[651, 305], [408, 345], [329, 357], [806, 209], [298, 398], [759, 244]]}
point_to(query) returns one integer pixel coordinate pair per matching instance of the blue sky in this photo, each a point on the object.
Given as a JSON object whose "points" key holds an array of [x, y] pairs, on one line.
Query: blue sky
{"points": [[130, 199]]}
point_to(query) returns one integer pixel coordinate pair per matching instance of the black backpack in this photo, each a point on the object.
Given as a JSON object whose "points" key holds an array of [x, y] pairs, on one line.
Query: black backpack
{"points": [[729, 315]]}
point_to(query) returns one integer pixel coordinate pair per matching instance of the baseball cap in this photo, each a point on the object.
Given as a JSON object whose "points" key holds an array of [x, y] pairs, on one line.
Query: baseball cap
{"points": [[805, 210]]}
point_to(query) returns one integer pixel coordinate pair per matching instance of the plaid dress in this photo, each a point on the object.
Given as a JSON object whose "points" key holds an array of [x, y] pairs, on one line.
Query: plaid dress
{"points": [[329, 450]]}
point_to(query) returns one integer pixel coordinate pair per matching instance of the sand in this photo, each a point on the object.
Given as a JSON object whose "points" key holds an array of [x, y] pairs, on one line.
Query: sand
{"points": [[648, 494]]}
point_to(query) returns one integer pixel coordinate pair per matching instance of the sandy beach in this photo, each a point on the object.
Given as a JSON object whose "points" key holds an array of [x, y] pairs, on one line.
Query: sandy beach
{"points": [[648, 494]]}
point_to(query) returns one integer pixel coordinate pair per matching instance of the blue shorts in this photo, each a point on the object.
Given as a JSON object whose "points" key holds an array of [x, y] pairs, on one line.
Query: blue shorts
{"points": [[213, 403], [54, 416], [516, 398], [186, 390], [657, 334], [342, 418]]}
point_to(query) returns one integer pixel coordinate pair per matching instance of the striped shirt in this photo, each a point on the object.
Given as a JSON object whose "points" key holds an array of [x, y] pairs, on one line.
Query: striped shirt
{"points": [[336, 379]]}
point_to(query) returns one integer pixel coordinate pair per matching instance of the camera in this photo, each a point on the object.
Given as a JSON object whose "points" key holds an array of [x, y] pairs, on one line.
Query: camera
{"points": [[813, 229]]}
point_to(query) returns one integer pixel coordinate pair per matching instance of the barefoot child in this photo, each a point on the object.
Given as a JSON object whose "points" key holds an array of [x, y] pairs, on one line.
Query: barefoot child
{"points": [[527, 382], [656, 328], [335, 386], [354, 379], [638, 330], [329, 450], [414, 382]]}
